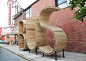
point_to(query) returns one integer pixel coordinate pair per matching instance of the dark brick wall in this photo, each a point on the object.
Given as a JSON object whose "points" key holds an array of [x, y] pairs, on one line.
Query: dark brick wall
{"points": [[75, 30], [17, 20], [21, 17]]}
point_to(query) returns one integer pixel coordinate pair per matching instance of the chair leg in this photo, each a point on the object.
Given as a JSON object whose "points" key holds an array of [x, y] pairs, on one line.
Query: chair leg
{"points": [[43, 55], [63, 54], [36, 51], [29, 50], [55, 56]]}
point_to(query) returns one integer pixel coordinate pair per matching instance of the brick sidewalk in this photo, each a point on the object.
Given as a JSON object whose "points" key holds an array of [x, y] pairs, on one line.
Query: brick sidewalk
{"points": [[69, 56]]}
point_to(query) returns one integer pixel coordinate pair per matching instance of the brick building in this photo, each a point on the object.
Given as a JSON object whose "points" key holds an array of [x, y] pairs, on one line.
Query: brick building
{"points": [[10, 32], [75, 30]]}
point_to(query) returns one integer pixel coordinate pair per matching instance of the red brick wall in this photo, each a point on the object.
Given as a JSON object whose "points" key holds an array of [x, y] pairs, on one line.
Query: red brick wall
{"points": [[38, 6], [17, 20], [12, 38], [21, 17], [75, 30]]}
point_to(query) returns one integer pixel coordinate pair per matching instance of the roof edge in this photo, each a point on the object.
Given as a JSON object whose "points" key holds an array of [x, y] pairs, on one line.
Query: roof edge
{"points": [[30, 5], [24, 10]]}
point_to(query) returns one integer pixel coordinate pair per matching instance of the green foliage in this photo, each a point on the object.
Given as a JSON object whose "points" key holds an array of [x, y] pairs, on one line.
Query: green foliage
{"points": [[81, 12]]}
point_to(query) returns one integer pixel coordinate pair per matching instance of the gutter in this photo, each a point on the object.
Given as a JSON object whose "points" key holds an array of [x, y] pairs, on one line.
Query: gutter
{"points": [[17, 16]]}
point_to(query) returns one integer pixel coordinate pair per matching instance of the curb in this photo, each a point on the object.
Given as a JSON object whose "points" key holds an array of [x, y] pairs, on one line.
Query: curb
{"points": [[20, 55]]}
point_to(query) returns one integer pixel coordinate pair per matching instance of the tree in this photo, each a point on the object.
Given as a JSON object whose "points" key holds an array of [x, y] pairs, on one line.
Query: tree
{"points": [[81, 12]]}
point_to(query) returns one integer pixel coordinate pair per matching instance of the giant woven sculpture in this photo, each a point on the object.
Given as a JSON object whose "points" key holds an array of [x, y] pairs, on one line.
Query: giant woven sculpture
{"points": [[59, 34], [22, 26], [30, 33], [22, 42], [22, 35], [33, 34], [35, 30]]}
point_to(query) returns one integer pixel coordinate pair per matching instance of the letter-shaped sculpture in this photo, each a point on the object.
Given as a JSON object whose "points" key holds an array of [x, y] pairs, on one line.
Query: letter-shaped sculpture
{"points": [[22, 35], [22, 42], [34, 35], [59, 34], [22, 26]]}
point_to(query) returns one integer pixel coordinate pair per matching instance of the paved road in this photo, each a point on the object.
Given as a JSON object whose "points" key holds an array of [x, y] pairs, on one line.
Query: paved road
{"points": [[8, 56]]}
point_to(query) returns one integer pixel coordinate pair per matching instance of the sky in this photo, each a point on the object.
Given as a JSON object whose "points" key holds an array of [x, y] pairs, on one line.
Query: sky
{"points": [[4, 10]]}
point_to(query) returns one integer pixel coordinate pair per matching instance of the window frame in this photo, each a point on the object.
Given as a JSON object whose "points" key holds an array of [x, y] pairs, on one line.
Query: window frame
{"points": [[28, 11], [56, 3]]}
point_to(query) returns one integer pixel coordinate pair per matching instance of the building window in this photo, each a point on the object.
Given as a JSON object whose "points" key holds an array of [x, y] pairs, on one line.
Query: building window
{"points": [[61, 3], [28, 13]]}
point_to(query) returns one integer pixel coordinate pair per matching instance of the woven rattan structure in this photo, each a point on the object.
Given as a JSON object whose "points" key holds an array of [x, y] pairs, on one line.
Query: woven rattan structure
{"points": [[59, 34]]}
